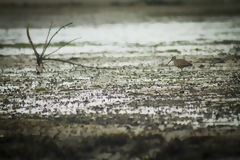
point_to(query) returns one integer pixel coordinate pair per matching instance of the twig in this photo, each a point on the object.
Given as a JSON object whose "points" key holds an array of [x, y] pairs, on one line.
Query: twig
{"points": [[42, 57], [77, 64], [61, 47], [46, 41], [31, 43], [66, 61], [56, 34]]}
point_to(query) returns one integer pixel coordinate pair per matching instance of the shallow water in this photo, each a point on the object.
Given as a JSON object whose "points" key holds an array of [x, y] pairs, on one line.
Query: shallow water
{"points": [[210, 36]]}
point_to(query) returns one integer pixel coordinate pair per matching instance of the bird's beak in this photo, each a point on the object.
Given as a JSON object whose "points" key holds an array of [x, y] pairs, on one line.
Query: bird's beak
{"points": [[169, 61]]}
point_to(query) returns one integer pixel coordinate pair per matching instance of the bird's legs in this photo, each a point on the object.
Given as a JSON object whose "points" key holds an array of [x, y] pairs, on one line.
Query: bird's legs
{"points": [[182, 80]]}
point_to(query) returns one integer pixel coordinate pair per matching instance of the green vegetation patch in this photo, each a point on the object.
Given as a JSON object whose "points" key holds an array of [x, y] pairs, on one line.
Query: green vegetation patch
{"points": [[27, 45], [17, 45], [41, 89], [169, 51], [227, 42]]}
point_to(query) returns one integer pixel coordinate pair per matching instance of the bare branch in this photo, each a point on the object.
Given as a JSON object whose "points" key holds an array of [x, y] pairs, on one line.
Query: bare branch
{"points": [[42, 57], [31, 43], [46, 41], [56, 34], [61, 47], [67, 61]]}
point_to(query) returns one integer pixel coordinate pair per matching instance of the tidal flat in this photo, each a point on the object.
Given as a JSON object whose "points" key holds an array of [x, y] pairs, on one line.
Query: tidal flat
{"points": [[127, 103]]}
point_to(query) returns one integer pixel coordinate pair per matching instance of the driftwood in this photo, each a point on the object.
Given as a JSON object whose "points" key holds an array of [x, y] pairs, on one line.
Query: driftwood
{"points": [[43, 56]]}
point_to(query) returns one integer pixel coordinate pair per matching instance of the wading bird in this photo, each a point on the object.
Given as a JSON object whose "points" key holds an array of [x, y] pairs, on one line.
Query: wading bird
{"points": [[180, 63]]}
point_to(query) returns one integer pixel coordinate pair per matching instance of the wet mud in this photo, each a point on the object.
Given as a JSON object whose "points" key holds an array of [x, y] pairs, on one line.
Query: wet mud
{"points": [[127, 103], [143, 111]]}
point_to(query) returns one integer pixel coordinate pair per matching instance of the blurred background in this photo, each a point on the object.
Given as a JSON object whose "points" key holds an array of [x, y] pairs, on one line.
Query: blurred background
{"points": [[16, 13], [117, 2]]}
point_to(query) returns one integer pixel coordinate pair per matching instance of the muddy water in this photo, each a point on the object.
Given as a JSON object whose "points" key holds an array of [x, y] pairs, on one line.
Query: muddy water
{"points": [[132, 91]]}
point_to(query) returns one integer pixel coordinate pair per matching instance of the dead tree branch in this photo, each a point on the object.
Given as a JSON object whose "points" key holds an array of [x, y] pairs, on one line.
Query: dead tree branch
{"points": [[44, 56], [60, 47], [46, 41], [31, 43], [77, 64], [38, 57], [55, 35]]}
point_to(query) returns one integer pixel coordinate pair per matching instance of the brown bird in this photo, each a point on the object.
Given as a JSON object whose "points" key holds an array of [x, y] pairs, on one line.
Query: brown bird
{"points": [[180, 63]]}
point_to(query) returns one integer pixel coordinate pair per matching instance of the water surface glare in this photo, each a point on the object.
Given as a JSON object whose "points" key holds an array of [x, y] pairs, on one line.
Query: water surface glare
{"points": [[132, 37]]}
